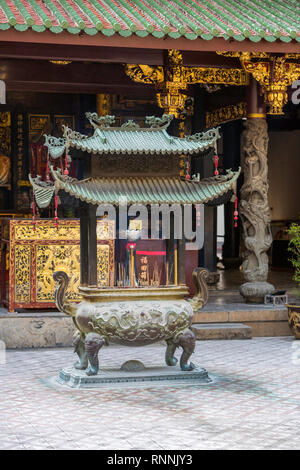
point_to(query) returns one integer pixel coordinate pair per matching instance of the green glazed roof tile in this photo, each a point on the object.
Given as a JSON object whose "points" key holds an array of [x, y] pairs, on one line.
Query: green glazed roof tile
{"points": [[207, 19]]}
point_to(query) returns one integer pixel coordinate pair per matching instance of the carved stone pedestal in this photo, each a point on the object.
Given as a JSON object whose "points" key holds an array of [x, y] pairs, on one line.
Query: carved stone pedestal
{"points": [[254, 292], [73, 378]]}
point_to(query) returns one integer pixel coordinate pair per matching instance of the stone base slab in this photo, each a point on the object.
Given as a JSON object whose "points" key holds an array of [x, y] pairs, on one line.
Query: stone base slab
{"points": [[74, 378], [36, 330], [205, 331], [264, 321]]}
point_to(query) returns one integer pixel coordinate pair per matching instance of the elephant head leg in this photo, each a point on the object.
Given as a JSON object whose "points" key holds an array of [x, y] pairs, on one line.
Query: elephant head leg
{"points": [[171, 360], [187, 341], [93, 342], [79, 349]]}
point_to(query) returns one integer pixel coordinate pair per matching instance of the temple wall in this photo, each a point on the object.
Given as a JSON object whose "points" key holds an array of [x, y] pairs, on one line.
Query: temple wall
{"points": [[284, 175]]}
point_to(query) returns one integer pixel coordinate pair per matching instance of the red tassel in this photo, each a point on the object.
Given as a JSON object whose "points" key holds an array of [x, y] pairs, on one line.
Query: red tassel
{"points": [[47, 172], [198, 216], [66, 172], [235, 214], [33, 215], [55, 212], [216, 162]]}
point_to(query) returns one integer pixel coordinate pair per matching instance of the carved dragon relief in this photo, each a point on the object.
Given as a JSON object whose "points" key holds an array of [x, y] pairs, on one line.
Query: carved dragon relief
{"points": [[254, 209]]}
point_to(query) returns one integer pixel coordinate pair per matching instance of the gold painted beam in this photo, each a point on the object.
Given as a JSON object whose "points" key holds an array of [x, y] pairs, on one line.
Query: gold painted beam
{"points": [[226, 114], [174, 77]]}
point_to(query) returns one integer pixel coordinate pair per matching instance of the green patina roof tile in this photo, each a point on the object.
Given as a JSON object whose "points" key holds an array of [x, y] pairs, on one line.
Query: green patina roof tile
{"points": [[146, 189], [130, 138]]}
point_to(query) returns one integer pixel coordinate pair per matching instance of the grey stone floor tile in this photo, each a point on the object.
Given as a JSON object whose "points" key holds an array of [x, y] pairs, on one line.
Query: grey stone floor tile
{"points": [[254, 402]]}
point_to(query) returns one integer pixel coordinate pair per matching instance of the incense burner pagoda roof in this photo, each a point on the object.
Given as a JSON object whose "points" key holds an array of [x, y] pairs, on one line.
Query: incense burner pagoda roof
{"points": [[131, 139], [146, 189], [206, 19]]}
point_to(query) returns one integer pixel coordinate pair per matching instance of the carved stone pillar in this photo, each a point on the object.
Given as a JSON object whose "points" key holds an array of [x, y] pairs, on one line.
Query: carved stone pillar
{"points": [[254, 210]]}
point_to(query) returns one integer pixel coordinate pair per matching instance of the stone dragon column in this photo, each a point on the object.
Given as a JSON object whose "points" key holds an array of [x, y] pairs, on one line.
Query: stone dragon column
{"points": [[254, 208]]}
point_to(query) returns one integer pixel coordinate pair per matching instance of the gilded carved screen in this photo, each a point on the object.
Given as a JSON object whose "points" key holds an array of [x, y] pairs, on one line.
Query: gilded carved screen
{"points": [[36, 255]]}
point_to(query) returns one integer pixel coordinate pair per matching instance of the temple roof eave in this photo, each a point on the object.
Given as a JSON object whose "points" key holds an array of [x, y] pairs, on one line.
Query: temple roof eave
{"points": [[151, 190], [130, 139]]}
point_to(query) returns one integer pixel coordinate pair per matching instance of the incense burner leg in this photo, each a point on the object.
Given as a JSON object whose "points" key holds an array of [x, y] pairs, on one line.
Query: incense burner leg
{"points": [[171, 360], [79, 349], [187, 341], [93, 342]]}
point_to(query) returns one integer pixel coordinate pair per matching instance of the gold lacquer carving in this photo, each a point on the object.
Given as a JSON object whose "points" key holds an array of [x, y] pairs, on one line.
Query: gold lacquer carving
{"points": [[22, 273], [36, 255], [51, 258], [172, 79], [274, 73], [226, 114], [103, 104]]}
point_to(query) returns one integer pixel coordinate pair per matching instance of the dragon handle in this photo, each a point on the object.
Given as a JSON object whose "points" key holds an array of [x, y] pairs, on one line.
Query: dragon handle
{"points": [[201, 296], [62, 280]]}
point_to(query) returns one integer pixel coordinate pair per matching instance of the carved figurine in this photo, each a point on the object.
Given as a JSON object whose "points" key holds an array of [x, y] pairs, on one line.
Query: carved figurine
{"points": [[105, 316]]}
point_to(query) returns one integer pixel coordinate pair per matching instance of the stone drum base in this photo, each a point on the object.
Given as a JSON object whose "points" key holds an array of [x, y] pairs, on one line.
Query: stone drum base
{"points": [[75, 378]]}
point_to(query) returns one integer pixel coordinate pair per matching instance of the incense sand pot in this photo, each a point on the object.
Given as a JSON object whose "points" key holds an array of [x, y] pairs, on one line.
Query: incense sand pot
{"points": [[134, 317]]}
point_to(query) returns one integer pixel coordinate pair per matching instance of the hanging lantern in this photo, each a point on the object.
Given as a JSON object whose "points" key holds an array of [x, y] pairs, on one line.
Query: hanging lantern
{"points": [[235, 214]]}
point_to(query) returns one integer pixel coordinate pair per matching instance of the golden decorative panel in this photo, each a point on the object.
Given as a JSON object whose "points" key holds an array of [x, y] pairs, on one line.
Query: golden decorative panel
{"points": [[226, 114], [38, 122], [22, 273], [103, 266], [51, 258], [47, 231], [35, 255], [5, 133]]}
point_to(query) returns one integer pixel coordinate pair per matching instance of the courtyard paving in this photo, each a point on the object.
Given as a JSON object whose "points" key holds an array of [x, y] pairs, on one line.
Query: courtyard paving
{"points": [[253, 401]]}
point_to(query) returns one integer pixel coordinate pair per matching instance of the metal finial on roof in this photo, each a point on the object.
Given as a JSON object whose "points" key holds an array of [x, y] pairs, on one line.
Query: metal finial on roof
{"points": [[211, 134], [130, 125], [69, 133], [56, 145], [100, 121], [159, 123]]}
